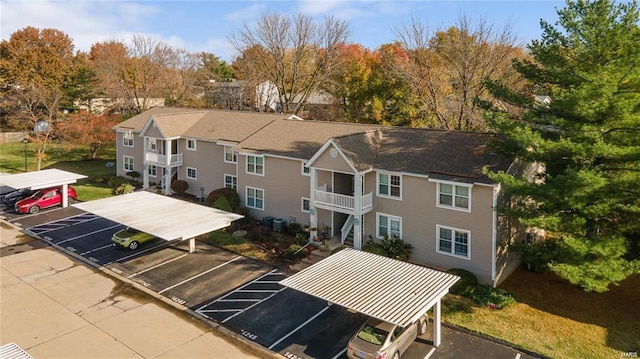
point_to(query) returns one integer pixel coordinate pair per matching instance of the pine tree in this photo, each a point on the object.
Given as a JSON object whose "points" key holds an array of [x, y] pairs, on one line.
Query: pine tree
{"points": [[587, 138]]}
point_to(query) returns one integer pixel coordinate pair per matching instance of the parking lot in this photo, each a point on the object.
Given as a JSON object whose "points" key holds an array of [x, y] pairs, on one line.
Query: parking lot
{"points": [[239, 293]]}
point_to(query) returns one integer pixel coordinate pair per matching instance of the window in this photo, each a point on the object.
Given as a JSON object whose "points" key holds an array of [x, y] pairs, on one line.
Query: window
{"points": [[127, 139], [192, 173], [255, 198], [389, 226], [454, 241], [389, 185], [305, 204], [152, 144], [453, 196], [255, 165], [230, 155], [306, 171], [191, 144], [231, 181], [128, 163], [153, 170]]}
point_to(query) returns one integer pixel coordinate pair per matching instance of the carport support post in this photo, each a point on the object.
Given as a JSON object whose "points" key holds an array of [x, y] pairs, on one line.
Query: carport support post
{"points": [[437, 332], [192, 245], [65, 195]]}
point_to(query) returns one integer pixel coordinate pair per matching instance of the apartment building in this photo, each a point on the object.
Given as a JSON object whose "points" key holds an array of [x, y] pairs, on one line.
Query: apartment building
{"points": [[427, 187]]}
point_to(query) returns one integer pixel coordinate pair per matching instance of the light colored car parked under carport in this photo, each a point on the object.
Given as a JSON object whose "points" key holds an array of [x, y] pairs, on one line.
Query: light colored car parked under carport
{"points": [[377, 339]]}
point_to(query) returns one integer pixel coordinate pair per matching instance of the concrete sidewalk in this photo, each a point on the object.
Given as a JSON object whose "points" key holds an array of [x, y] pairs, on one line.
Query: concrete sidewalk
{"points": [[55, 307]]}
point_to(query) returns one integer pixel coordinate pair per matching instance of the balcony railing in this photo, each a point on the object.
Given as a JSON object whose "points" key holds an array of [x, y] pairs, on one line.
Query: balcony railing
{"points": [[175, 160], [332, 200]]}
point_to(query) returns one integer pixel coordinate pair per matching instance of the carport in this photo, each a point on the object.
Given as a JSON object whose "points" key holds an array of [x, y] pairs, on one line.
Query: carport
{"points": [[42, 179], [161, 216], [387, 289]]}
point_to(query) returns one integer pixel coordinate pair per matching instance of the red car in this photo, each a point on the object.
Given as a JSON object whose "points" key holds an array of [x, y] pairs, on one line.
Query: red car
{"points": [[44, 198]]}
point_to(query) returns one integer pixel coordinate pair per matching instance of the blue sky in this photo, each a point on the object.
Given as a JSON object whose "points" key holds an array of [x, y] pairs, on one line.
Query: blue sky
{"points": [[206, 25]]}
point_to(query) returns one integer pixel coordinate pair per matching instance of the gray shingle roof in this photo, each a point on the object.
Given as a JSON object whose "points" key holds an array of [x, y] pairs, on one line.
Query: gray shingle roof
{"points": [[450, 155]]}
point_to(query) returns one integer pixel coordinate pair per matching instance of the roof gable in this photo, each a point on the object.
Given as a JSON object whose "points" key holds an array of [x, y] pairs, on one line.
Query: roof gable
{"points": [[330, 156]]}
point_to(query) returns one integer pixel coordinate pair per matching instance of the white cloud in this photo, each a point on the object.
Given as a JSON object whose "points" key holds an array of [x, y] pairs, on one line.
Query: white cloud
{"points": [[86, 22]]}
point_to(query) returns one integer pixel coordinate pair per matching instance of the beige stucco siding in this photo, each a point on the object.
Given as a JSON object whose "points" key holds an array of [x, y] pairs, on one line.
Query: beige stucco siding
{"points": [[136, 152], [337, 164], [153, 131], [420, 218], [284, 186], [208, 160]]}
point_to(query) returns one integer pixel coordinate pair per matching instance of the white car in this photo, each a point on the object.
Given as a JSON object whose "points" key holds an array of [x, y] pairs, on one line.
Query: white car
{"points": [[377, 339]]}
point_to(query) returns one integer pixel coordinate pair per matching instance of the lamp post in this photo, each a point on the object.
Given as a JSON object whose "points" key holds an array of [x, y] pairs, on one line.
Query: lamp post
{"points": [[25, 141]]}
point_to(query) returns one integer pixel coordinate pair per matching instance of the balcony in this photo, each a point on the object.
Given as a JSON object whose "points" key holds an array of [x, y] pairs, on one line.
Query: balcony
{"points": [[342, 203], [156, 158]]}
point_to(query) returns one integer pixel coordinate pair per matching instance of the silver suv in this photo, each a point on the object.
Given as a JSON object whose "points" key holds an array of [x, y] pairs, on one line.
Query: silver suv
{"points": [[377, 339]]}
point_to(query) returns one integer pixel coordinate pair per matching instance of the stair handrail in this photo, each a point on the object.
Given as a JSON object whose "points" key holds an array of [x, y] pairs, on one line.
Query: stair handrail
{"points": [[346, 228]]}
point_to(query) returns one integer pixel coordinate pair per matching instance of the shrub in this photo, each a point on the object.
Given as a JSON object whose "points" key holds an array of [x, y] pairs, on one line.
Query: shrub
{"points": [[117, 181], [396, 248], [467, 283], [180, 186], [293, 253], [123, 189], [133, 174], [97, 179], [294, 228], [302, 238], [229, 193], [375, 248], [493, 297], [222, 204]]}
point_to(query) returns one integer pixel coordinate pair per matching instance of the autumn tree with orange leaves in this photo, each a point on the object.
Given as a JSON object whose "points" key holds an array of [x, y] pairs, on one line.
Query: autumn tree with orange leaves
{"points": [[91, 130]]}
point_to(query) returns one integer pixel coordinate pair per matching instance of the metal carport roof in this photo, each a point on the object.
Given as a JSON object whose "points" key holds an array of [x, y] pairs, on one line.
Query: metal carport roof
{"points": [[40, 179], [380, 287], [164, 217]]}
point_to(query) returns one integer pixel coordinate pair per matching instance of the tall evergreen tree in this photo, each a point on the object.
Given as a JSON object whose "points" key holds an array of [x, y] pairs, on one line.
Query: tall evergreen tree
{"points": [[587, 138]]}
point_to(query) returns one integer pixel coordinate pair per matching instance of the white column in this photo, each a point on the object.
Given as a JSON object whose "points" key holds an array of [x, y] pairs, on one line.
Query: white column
{"points": [[436, 324], [145, 169], [65, 195], [192, 245], [313, 215], [167, 154], [357, 220]]}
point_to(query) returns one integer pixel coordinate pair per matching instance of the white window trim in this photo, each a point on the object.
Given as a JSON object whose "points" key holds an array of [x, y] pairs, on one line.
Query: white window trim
{"points": [[126, 135], [469, 186], [453, 242], [152, 144], [378, 214], [194, 144], [246, 197], [302, 204], [246, 167], [187, 173], [224, 181], [124, 163], [399, 198], [302, 170], [149, 171], [234, 153]]}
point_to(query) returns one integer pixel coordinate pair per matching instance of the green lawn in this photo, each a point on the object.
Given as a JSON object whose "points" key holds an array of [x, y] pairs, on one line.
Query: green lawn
{"points": [[68, 158], [557, 319]]}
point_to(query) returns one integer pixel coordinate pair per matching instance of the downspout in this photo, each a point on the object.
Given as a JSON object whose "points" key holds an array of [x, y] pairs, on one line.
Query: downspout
{"points": [[494, 234]]}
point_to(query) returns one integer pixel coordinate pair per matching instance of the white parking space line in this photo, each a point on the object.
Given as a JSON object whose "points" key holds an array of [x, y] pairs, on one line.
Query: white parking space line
{"points": [[239, 288], [340, 354], [156, 266], [299, 327], [90, 233], [253, 305], [97, 249], [137, 253], [201, 274], [517, 356]]}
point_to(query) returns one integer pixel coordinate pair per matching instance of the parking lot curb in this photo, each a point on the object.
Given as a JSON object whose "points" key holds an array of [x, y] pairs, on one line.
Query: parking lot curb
{"points": [[493, 340], [255, 347]]}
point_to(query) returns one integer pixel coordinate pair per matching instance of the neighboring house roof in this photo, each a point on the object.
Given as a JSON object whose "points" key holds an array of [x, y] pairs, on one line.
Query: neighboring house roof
{"points": [[448, 155]]}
